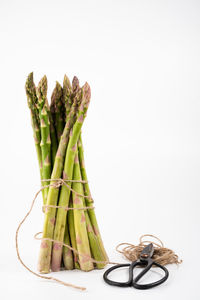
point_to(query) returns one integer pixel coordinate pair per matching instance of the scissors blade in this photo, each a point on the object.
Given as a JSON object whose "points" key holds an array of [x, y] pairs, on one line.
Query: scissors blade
{"points": [[147, 252]]}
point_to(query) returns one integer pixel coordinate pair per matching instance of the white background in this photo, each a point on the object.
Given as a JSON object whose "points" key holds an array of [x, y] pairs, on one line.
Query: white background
{"points": [[141, 135]]}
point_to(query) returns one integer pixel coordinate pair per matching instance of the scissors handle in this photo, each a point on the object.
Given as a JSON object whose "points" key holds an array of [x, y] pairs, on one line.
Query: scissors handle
{"points": [[150, 263], [134, 281], [116, 283]]}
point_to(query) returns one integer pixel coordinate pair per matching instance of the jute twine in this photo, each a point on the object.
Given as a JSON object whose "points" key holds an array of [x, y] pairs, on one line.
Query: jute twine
{"points": [[161, 255], [56, 184], [131, 252]]}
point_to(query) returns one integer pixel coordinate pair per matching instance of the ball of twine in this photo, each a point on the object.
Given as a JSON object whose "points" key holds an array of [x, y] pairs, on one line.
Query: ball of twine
{"points": [[161, 255]]}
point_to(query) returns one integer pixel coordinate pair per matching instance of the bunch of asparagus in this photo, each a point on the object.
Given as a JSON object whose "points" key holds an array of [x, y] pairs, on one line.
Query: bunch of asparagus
{"points": [[57, 134]]}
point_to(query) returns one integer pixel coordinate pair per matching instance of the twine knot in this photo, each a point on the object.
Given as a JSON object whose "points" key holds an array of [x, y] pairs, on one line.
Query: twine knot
{"points": [[58, 183]]}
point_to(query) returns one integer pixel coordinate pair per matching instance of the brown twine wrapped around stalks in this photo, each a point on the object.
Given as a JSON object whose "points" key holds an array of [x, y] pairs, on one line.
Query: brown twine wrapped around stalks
{"points": [[161, 255], [55, 183]]}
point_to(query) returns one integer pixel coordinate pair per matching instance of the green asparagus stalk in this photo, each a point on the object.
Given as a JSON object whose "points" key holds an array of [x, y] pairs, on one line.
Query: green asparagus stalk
{"points": [[52, 110], [82, 240], [95, 247], [46, 246], [32, 102], [45, 132], [69, 92], [96, 250], [70, 219], [68, 174], [67, 253], [89, 201], [54, 142], [97, 253], [57, 108], [67, 98]]}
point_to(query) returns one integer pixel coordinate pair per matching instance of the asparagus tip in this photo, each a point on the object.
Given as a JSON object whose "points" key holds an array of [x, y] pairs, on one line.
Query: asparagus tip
{"points": [[29, 82], [66, 82], [57, 92], [75, 84], [87, 92], [42, 87], [30, 89]]}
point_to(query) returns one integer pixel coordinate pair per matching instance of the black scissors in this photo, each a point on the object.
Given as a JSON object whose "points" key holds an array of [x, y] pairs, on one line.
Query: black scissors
{"points": [[146, 262]]}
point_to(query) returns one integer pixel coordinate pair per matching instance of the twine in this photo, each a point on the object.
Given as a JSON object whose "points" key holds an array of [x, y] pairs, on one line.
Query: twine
{"points": [[68, 208], [58, 182], [74, 250], [161, 255]]}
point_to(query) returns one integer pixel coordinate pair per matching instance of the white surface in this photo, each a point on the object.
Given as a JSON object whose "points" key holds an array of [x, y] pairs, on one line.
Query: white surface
{"points": [[141, 136]]}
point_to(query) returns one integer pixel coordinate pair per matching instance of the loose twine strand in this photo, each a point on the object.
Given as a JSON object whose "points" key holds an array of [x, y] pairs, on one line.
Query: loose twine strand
{"points": [[161, 255]]}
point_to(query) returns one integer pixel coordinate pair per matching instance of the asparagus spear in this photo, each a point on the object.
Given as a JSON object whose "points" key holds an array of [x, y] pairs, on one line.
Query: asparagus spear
{"points": [[82, 240], [89, 201], [68, 174], [69, 92], [96, 250], [52, 110], [57, 109], [67, 96], [45, 131], [45, 248], [70, 218], [67, 253], [97, 253], [54, 142], [95, 247], [32, 102]]}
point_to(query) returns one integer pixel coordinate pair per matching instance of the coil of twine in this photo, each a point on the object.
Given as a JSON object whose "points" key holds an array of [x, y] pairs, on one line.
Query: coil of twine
{"points": [[161, 255]]}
